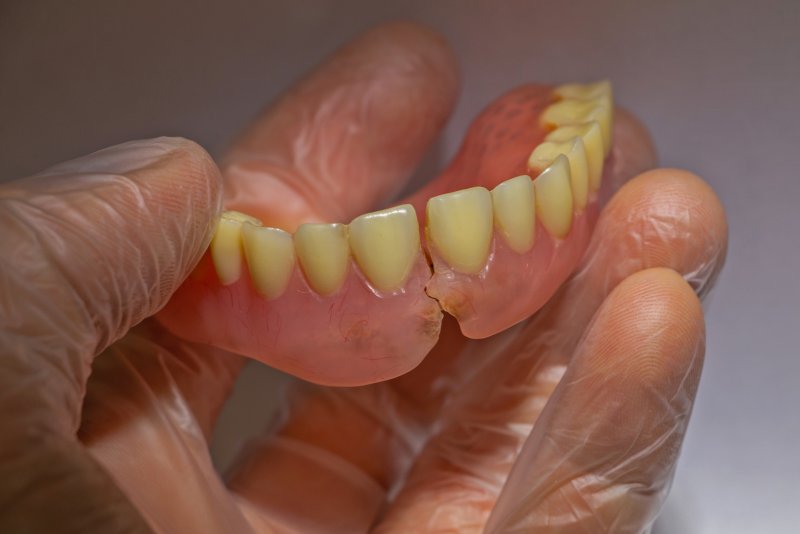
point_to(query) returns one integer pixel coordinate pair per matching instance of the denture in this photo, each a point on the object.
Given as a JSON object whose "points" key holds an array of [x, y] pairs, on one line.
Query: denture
{"points": [[489, 241]]}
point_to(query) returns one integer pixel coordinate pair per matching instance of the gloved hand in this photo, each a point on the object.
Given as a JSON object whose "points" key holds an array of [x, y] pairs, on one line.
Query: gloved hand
{"points": [[569, 422]]}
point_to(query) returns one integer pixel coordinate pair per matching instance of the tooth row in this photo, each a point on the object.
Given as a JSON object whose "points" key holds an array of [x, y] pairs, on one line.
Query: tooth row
{"points": [[568, 166], [385, 244]]}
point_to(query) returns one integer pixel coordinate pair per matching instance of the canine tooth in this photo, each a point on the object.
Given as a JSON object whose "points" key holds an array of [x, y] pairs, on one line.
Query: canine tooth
{"points": [[515, 212], [460, 226], [544, 154], [572, 111], [600, 91], [226, 245], [592, 139], [270, 257], [385, 244], [554, 197], [323, 253]]}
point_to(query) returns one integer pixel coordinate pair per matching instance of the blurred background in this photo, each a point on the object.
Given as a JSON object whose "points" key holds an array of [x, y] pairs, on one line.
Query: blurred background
{"points": [[717, 82]]}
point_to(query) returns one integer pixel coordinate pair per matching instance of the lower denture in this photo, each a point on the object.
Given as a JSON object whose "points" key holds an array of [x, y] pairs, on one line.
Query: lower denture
{"points": [[375, 320]]}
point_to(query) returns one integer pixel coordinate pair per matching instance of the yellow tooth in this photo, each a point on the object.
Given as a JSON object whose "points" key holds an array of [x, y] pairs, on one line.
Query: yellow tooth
{"points": [[572, 111], [593, 144], [554, 197], [323, 253], [226, 245], [515, 212], [270, 257], [385, 244], [544, 154], [460, 226], [600, 91]]}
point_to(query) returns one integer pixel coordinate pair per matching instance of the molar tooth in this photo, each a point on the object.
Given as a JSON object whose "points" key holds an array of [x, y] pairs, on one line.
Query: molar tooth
{"points": [[600, 91], [515, 212], [554, 197], [323, 253], [385, 244], [270, 257], [226, 245], [460, 226], [544, 154], [573, 111], [592, 139]]}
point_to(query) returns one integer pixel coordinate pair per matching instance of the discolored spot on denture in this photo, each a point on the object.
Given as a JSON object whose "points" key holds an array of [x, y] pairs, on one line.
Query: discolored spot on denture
{"points": [[432, 325], [357, 331]]}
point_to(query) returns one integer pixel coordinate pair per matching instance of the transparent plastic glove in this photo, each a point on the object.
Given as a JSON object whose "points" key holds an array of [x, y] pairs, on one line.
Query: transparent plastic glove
{"points": [[571, 421]]}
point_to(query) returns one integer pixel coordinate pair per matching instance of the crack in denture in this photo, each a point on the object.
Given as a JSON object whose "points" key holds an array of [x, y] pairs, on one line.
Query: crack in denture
{"points": [[460, 225]]}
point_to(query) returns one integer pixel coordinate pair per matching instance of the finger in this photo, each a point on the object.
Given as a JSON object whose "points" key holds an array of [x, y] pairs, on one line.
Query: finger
{"points": [[139, 405], [602, 455], [93, 246], [505, 382], [346, 138]]}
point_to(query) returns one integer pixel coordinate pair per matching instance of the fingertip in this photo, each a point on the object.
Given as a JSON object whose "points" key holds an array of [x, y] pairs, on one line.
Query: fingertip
{"points": [[663, 218], [190, 165], [651, 327], [416, 39]]}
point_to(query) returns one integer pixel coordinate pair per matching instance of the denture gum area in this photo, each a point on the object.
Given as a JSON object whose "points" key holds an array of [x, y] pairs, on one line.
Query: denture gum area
{"points": [[365, 287]]}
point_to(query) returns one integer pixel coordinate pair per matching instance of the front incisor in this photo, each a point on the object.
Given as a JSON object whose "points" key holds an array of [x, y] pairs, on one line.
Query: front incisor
{"points": [[554, 198], [226, 246], [324, 254], [459, 225], [544, 154], [385, 245], [515, 212], [592, 139], [270, 258]]}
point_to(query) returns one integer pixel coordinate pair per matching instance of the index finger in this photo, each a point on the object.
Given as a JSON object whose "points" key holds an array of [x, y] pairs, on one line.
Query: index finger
{"points": [[345, 139]]}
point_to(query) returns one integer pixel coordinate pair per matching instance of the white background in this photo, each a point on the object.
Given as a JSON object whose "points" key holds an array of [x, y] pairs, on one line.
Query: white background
{"points": [[717, 82]]}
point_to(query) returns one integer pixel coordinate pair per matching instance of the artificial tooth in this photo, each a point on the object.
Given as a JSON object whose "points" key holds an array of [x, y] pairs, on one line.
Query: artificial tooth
{"points": [[544, 154], [385, 245], [460, 226], [572, 111], [515, 212], [592, 143], [323, 253], [226, 245], [554, 197], [270, 257], [600, 91]]}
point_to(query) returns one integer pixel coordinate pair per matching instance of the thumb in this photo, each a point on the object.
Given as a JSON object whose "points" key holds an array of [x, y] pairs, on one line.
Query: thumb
{"points": [[90, 248]]}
